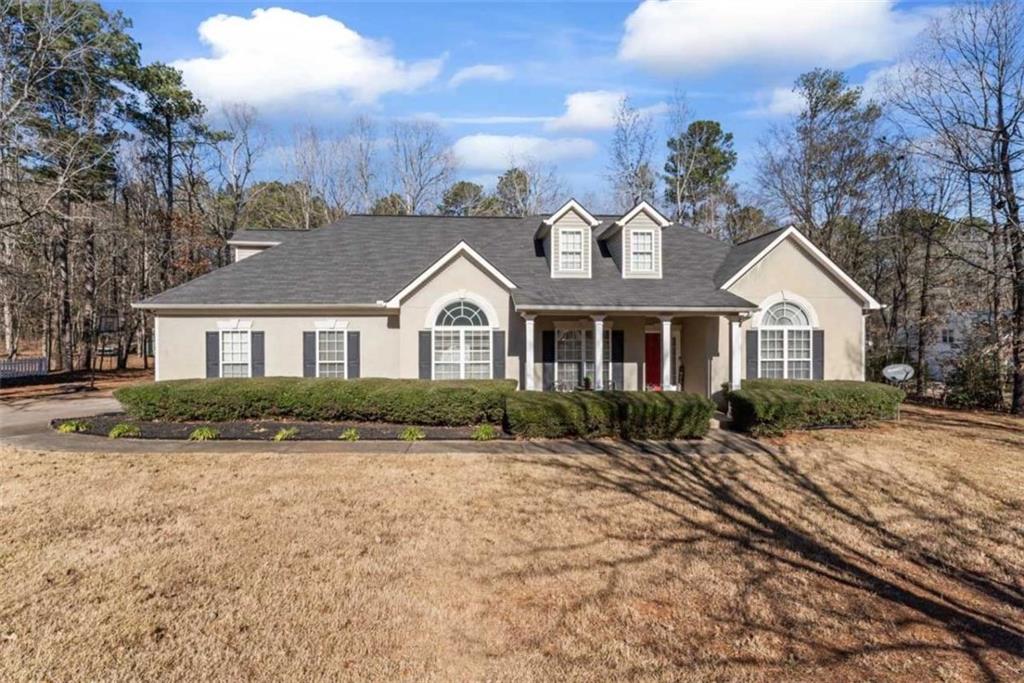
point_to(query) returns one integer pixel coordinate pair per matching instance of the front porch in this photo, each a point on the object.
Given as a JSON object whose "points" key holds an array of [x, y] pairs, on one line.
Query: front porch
{"points": [[634, 351]]}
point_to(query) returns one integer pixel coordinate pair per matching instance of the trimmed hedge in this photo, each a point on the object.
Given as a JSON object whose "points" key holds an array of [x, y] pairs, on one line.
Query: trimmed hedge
{"points": [[774, 406], [399, 401], [623, 414]]}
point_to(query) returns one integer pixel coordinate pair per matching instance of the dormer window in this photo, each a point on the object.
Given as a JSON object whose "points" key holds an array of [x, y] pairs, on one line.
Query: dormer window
{"points": [[570, 250], [635, 241], [566, 237], [642, 251]]}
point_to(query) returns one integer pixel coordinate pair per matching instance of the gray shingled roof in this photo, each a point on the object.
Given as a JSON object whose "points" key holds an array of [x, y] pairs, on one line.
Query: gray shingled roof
{"points": [[365, 259], [261, 235], [742, 253]]}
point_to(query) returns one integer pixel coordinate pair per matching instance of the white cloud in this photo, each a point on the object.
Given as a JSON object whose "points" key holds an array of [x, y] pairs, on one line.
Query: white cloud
{"points": [[778, 102], [480, 72], [496, 152], [278, 54], [593, 110], [688, 37]]}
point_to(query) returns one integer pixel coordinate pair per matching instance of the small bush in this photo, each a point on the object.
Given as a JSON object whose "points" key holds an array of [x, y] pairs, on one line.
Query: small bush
{"points": [[350, 434], [204, 434], [412, 434], [484, 433], [973, 379], [73, 426], [420, 402], [623, 414], [124, 431], [765, 407], [286, 433]]}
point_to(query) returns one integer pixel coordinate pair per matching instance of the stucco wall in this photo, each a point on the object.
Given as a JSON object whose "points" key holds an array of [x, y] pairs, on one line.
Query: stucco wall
{"points": [[181, 341], [462, 278], [788, 269]]}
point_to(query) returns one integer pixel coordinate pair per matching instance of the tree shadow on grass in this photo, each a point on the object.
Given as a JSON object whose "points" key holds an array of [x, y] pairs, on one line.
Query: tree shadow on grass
{"points": [[831, 560]]}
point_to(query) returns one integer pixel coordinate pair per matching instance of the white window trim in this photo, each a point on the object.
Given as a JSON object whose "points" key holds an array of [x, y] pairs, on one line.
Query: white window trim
{"points": [[785, 329], [562, 232], [633, 270], [344, 359], [220, 348], [462, 329], [583, 329]]}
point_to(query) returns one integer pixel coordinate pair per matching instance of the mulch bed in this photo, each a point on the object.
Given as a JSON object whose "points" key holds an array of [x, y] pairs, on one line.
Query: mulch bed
{"points": [[264, 430]]}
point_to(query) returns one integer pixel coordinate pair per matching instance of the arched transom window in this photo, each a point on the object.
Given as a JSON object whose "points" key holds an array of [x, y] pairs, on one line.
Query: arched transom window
{"points": [[785, 343], [462, 342]]}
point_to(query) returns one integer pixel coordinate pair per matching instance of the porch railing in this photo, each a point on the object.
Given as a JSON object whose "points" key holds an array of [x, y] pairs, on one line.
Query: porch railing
{"points": [[23, 367]]}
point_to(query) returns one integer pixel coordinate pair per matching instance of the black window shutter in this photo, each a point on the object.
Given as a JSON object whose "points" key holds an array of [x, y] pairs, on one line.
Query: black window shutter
{"points": [[259, 365], [425, 364], [547, 355], [213, 354], [618, 360], [498, 354], [752, 351], [818, 352], [309, 354], [352, 355]]}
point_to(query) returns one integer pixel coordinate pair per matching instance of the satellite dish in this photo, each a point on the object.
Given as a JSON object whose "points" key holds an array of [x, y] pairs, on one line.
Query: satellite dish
{"points": [[900, 372]]}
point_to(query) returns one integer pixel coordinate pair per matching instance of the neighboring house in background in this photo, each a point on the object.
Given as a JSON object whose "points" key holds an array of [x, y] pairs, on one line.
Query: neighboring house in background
{"points": [[555, 302]]}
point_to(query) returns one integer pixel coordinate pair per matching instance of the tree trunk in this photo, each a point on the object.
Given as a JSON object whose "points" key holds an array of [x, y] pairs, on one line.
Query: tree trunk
{"points": [[922, 317], [89, 292], [63, 258], [1016, 240]]}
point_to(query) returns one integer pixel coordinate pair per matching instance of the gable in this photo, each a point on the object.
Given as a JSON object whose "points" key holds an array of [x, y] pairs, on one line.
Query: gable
{"points": [[788, 240], [788, 266]]}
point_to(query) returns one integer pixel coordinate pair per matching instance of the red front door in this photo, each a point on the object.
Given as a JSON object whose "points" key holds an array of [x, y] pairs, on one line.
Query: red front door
{"points": [[652, 361]]}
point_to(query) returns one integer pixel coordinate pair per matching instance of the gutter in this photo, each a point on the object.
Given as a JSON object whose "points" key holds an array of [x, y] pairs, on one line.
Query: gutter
{"points": [[640, 309]]}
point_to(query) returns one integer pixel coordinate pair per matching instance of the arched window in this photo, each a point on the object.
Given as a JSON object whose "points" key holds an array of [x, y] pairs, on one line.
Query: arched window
{"points": [[785, 343], [462, 342]]}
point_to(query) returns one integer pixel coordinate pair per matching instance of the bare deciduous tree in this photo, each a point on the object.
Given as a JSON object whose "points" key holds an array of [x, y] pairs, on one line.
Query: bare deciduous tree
{"points": [[422, 163], [629, 170]]}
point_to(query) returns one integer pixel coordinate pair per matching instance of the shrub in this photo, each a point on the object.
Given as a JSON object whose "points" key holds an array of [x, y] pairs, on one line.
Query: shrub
{"points": [[124, 430], [624, 414], [484, 433], [765, 406], [350, 434], [73, 426], [973, 379], [423, 402], [204, 434], [286, 433], [412, 434]]}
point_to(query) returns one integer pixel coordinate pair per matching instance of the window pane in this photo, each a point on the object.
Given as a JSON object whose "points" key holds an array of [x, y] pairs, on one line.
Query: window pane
{"points": [[799, 344], [771, 369], [571, 250], [800, 369], [642, 251], [234, 353], [461, 314], [786, 314], [771, 344], [331, 353]]}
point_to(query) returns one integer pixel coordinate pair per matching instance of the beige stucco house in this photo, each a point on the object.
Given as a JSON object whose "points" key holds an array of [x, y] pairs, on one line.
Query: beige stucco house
{"points": [[554, 302]]}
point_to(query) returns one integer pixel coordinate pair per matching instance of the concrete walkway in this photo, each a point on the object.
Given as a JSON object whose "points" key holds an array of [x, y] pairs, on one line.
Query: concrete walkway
{"points": [[25, 424]]}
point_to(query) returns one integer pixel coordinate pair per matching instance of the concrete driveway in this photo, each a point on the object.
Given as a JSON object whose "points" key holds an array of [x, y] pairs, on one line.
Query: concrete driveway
{"points": [[33, 415]]}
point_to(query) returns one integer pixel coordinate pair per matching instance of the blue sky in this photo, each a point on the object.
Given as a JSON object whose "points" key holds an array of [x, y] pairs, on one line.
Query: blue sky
{"points": [[521, 79]]}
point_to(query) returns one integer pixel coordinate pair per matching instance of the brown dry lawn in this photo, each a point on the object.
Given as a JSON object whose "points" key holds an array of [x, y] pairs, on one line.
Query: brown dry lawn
{"points": [[892, 553]]}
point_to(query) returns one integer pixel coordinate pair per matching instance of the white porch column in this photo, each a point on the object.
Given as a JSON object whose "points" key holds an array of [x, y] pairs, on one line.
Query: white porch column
{"points": [[666, 352], [528, 372], [598, 352], [734, 353]]}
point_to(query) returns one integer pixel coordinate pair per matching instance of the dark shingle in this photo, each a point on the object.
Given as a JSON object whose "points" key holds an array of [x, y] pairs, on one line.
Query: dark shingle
{"points": [[365, 259]]}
